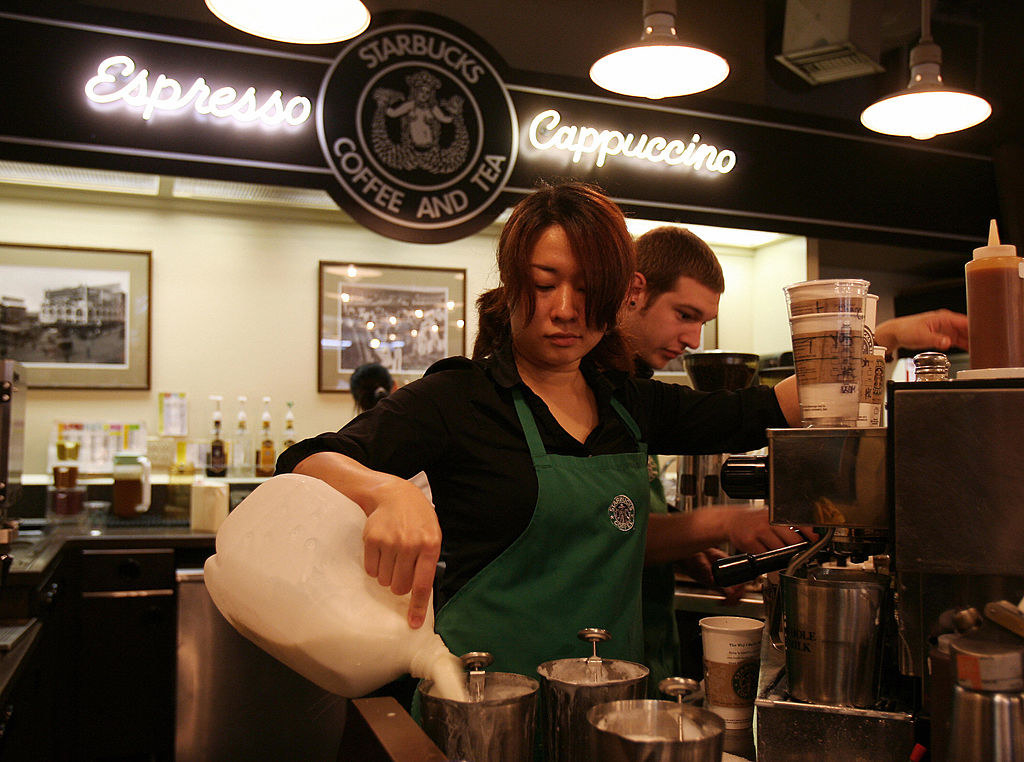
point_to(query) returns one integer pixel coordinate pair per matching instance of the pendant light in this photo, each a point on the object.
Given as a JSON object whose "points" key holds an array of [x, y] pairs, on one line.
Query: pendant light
{"points": [[659, 65], [302, 21], [927, 107]]}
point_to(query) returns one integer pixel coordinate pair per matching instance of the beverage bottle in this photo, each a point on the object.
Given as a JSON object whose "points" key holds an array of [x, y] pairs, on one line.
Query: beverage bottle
{"points": [[289, 428], [265, 455], [995, 305], [217, 457], [241, 448], [288, 574]]}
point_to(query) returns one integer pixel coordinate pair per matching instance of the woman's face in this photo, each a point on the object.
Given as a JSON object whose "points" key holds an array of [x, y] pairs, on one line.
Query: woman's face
{"points": [[556, 336]]}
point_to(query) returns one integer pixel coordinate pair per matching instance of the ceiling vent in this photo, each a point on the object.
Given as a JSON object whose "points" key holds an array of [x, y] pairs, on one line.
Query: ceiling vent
{"points": [[830, 40]]}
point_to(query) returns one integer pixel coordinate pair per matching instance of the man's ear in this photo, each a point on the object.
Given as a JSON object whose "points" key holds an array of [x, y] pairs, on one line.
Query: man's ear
{"points": [[637, 289]]}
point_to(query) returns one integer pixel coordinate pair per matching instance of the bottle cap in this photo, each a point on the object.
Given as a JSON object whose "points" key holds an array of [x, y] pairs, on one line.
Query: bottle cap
{"points": [[994, 248]]}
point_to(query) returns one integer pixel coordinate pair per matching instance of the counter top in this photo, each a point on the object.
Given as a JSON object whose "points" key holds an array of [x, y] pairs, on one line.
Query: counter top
{"points": [[13, 661], [35, 551]]}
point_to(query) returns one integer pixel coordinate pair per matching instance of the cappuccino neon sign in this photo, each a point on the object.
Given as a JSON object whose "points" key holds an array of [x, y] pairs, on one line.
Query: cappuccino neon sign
{"points": [[546, 133], [117, 80]]}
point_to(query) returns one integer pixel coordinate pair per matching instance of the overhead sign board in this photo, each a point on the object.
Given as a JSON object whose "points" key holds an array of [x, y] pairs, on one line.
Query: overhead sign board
{"points": [[419, 131]]}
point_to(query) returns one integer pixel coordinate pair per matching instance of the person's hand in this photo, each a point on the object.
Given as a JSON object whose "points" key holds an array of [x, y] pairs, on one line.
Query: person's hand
{"points": [[401, 545], [749, 531], [698, 566], [938, 329]]}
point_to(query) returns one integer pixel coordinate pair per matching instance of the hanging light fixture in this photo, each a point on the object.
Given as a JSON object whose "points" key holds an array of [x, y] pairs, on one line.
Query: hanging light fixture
{"points": [[302, 21], [927, 107], [659, 65]]}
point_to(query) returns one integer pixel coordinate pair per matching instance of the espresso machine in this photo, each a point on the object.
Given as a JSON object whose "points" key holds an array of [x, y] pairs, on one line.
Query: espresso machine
{"points": [[887, 629], [956, 462], [12, 454], [828, 686]]}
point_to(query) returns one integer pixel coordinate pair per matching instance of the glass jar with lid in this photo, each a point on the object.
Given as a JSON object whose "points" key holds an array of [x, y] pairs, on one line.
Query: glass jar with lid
{"points": [[131, 484]]}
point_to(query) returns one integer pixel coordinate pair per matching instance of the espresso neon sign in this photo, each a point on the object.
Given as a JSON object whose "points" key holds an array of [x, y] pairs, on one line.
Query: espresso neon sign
{"points": [[547, 133], [117, 79]]}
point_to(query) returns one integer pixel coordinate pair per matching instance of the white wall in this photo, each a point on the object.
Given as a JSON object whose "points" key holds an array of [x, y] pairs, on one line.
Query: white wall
{"points": [[775, 266], [752, 312], [735, 333], [234, 301]]}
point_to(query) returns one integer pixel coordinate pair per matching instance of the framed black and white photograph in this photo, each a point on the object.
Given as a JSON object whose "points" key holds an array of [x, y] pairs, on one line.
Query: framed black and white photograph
{"points": [[405, 318], [76, 318]]}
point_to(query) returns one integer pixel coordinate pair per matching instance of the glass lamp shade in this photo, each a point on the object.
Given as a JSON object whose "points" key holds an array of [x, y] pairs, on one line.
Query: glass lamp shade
{"points": [[924, 112], [302, 21], [659, 70]]}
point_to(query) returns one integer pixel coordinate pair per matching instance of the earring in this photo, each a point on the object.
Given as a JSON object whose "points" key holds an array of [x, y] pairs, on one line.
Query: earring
{"points": [[632, 304]]}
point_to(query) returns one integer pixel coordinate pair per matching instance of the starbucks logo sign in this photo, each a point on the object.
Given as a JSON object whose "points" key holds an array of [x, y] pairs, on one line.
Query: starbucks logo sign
{"points": [[419, 132]]}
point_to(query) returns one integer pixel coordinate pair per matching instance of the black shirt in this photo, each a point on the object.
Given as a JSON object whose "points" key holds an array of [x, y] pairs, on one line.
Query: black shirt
{"points": [[458, 424]]}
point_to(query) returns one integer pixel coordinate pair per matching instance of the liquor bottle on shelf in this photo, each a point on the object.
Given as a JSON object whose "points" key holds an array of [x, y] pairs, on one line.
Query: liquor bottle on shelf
{"points": [[240, 464], [217, 456], [265, 455], [289, 428]]}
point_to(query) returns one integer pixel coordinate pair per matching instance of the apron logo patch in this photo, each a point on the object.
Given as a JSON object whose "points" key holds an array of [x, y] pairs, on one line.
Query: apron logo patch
{"points": [[622, 512]]}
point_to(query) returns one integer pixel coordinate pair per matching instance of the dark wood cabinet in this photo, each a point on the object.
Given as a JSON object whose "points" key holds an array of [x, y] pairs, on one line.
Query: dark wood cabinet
{"points": [[127, 617]]}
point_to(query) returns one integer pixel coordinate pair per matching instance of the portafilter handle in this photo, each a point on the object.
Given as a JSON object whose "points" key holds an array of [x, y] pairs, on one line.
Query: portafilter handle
{"points": [[735, 570], [745, 477]]}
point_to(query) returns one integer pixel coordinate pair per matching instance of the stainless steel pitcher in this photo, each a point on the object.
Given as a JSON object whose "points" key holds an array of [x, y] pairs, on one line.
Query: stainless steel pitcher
{"points": [[570, 687], [833, 619], [496, 723]]}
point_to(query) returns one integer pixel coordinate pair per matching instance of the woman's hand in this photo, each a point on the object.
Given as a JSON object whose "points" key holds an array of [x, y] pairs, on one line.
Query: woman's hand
{"points": [[401, 539], [401, 544]]}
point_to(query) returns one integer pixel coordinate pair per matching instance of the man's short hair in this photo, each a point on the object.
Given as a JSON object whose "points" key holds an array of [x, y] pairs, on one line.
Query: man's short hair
{"points": [[668, 253]]}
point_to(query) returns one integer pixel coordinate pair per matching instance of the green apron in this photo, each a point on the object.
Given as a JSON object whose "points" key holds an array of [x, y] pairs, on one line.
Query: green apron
{"points": [[578, 564], [661, 633]]}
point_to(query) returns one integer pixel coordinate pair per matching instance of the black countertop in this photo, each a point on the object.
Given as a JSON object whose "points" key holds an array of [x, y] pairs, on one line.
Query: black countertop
{"points": [[35, 555]]}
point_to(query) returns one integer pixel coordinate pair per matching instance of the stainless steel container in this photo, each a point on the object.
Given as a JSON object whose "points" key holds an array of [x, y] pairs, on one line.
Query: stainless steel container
{"points": [[832, 634], [497, 723], [654, 731], [571, 687], [986, 726]]}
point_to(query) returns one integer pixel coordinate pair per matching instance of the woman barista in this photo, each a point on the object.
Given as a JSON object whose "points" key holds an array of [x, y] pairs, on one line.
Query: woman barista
{"points": [[536, 452]]}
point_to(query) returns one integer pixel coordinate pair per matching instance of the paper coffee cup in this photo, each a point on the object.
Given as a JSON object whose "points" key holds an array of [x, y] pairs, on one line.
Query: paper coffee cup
{"points": [[870, 314], [833, 295], [732, 661], [872, 388], [827, 352]]}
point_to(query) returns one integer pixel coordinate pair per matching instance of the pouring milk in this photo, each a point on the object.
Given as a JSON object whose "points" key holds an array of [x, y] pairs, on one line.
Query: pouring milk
{"points": [[288, 575]]}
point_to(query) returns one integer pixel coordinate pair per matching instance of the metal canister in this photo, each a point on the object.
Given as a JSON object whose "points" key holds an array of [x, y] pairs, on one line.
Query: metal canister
{"points": [[570, 687], [987, 716], [496, 723], [657, 731], [833, 634]]}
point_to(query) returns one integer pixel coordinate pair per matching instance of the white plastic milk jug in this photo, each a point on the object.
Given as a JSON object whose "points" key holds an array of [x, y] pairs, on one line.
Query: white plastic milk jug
{"points": [[288, 574]]}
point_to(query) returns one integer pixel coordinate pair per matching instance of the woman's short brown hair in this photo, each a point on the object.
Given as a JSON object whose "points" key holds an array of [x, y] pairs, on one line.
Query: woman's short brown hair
{"points": [[600, 241]]}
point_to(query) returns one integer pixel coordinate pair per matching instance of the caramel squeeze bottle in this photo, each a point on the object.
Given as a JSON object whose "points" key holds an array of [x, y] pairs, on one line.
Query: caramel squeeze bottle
{"points": [[995, 304]]}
